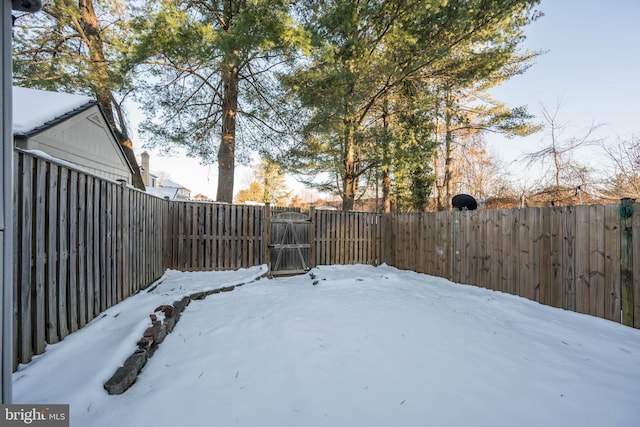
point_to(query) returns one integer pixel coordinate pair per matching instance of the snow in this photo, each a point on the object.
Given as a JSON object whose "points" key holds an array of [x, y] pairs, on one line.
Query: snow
{"points": [[162, 192], [365, 346], [170, 184], [33, 108]]}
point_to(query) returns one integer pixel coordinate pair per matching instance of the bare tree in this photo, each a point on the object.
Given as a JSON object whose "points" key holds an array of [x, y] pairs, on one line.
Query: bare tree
{"points": [[483, 173], [564, 176], [624, 180], [163, 174]]}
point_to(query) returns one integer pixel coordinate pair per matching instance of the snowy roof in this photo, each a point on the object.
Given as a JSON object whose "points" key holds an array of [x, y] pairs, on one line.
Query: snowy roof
{"points": [[34, 108], [162, 192], [170, 184]]}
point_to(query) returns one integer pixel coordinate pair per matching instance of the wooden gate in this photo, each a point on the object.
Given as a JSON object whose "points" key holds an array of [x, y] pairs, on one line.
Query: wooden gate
{"points": [[290, 245]]}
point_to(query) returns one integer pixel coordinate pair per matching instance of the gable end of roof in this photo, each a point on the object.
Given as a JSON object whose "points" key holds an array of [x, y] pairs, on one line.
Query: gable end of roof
{"points": [[59, 119]]}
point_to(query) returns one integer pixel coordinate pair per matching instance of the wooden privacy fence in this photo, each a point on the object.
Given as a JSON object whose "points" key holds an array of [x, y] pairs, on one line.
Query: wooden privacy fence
{"points": [[209, 236], [568, 257], [83, 244], [348, 237], [204, 236]]}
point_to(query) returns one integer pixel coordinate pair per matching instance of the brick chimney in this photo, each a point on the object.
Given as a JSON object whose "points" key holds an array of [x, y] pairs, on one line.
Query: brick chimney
{"points": [[144, 168]]}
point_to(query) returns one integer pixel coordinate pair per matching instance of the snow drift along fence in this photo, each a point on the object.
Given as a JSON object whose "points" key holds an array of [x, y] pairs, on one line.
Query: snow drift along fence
{"points": [[579, 258]]}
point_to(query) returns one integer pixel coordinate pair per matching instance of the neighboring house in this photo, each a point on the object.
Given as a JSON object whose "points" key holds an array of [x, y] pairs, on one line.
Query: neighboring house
{"points": [[163, 188], [202, 198], [168, 189], [71, 128]]}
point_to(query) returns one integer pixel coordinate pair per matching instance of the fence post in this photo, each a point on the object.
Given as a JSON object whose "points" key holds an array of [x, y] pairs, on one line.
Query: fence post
{"points": [[267, 235], [454, 258], [382, 217], [389, 239], [312, 238], [626, 261]]}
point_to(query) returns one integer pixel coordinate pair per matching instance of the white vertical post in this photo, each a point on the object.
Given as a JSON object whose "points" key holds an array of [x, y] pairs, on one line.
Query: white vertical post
{"points": [[6, 213]]}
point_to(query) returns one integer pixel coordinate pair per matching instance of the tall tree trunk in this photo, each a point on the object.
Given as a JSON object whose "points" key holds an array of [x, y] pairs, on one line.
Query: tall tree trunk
{"points": [[557, 164], [439, 183], [449, 159], [350, 176], [89, 29], [226, 152], [386, 188], [386, 166], [230, 80]]}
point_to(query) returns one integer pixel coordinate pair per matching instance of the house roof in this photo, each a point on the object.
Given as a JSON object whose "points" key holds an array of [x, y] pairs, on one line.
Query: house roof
{"points": [[170, 184], [161, 192], [35, 110]]}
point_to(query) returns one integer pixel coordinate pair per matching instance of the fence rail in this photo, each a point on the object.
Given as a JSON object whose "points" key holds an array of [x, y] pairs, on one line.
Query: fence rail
{"points": [[83, 244]]}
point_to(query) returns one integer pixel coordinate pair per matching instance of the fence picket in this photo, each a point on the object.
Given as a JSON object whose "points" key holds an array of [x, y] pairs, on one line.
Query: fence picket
{"points": [[596, 260], [26, 260], [582, 284], [63, 254], [40, 239], [498, 250], [72, 284], [97, 249], [82, 251], [51, 334], [546, 264], [569, 291], [90, 243]]}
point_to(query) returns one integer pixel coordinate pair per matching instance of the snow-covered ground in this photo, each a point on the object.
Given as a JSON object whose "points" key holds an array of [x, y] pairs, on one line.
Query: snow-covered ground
{"points": [[366, 346]]}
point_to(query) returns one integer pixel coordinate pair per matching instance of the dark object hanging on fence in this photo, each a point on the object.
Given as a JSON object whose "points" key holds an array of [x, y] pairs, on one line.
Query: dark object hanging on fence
{"points": [[464, 202]]}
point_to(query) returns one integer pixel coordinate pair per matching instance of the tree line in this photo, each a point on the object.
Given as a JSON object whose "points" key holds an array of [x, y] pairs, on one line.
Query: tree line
{"points": [[347, 95]]}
